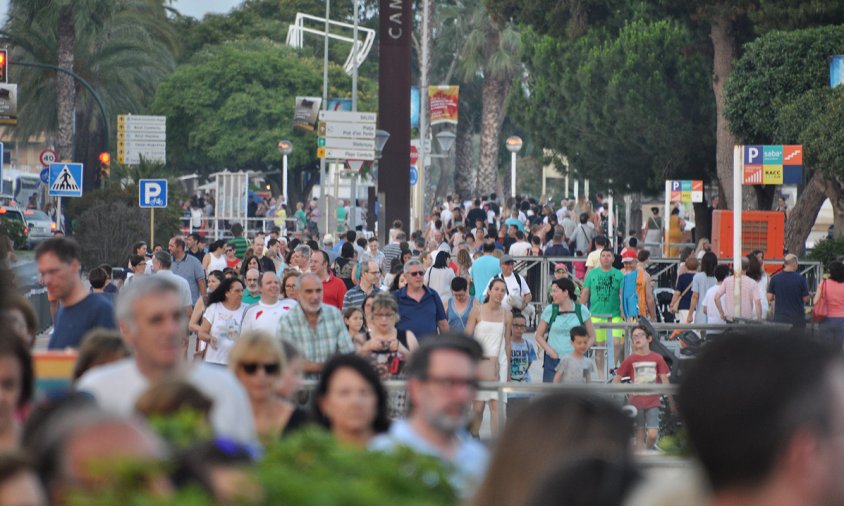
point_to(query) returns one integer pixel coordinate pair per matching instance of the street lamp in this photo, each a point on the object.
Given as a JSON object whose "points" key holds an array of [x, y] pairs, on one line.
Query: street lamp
{"points": [[285, 148], [514, 145], [446, 139], [381, 138]]}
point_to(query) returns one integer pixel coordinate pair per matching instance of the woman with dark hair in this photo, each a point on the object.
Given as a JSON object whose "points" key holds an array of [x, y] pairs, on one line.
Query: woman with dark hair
{"points": [[756, 272], [221, 321], [351, 401], [439, 276], [489, 323], [702, 281], [832, 290], [214, 280], [553, 333], [232, 262], [249, 262], [344, 265], [17, 379], [215, 259]]}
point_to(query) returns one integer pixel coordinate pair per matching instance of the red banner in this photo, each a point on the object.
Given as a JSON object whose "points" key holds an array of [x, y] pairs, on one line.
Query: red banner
{"points": [[442, 103]]}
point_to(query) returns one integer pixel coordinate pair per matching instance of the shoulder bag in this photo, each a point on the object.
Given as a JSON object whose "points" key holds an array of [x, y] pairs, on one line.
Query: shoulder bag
{"points": [[821, 310]]}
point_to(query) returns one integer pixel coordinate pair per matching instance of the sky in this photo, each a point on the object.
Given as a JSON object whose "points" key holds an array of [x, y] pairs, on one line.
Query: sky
{"points": [[195, 8]]}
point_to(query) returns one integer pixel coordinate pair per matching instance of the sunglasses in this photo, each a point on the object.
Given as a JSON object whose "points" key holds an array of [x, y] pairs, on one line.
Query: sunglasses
{"points": [[415, 273], [251, 368]]}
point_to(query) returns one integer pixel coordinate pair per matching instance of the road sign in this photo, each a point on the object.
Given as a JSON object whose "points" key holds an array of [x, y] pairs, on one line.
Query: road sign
{"points": [[347, 130], [65, 180], [686, 191], [45, 175], [414, 155], [777, 164], [152, 193], [47, 156], [333, 142], [141, 136], [348, 117], [345, 154], [414, 175], [355, 165]]}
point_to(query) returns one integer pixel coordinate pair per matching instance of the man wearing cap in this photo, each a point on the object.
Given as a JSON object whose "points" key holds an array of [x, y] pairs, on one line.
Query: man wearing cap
{"points": [[518, 292]]}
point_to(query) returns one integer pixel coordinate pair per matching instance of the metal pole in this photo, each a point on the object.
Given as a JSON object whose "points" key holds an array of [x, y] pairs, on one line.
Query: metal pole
{"points": [[323, 181], [151, 228], [666, 219], [586, 189], [738, 153], [423, 119], [576, 192], [284, 180], [513, 174], [566, 194], [59, 217], [610, 219], [354, 187]]}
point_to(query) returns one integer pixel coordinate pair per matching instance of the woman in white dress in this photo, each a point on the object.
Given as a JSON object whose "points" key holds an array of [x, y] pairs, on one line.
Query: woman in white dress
{"points": [[489, 324], [221, 322]]}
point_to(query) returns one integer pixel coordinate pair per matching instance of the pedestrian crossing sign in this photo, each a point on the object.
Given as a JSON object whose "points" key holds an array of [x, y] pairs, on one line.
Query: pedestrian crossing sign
{"points": [[65, 180]]}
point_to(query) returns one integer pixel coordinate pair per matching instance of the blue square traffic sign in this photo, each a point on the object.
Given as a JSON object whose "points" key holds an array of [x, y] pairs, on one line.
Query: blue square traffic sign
{"points": [[152, 193], [65, 180]]}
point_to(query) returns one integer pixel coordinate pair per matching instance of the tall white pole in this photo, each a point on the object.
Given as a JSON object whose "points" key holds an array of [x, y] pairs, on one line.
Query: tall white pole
{"points": [[284, 180], [566, 194], [738, 153], [610, 220], [423, 120], [666, 219], [354, 200], [586, 189], [576, 190], [323, 173], [513, 174]]}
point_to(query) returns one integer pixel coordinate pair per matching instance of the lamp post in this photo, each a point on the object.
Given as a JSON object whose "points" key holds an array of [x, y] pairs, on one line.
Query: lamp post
{"points": [[285, 148], [514, 145]]}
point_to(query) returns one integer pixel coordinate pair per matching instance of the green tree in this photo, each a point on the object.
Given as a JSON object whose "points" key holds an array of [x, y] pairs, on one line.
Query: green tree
{"points": [[776, 71], [230, 105]]}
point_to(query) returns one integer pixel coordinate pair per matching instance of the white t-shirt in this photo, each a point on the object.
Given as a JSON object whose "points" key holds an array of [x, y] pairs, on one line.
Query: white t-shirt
{"points": [[712, 315], [264, 317], [117, 386], [445, 217], [184, 287], [516, 287], [225, 326], [520, 249]]}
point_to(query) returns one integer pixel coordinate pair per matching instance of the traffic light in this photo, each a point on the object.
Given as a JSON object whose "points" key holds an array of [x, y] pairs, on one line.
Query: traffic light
{"points": [[105, 165], [4, 66]]}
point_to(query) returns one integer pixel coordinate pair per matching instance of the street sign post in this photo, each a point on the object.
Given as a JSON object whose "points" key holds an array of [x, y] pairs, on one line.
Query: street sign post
{"points": [[47, 156], [65, 180], [414, 175], [45, 175], [152, 193], [346, 135], [141, 136]]}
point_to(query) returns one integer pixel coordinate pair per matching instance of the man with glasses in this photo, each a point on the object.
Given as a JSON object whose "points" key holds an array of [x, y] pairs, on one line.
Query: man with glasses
{"points": [[370, 279], [421, 309], [155, 327], [441, 385]]}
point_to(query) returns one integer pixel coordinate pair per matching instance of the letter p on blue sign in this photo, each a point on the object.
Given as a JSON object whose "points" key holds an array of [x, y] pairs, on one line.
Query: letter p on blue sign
{"points": [[152, 193]]}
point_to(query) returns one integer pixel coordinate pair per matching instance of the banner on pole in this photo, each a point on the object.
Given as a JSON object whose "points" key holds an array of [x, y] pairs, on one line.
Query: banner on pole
{"points": [[686, 191], [776, 164], [306, 112], [442, 103]]}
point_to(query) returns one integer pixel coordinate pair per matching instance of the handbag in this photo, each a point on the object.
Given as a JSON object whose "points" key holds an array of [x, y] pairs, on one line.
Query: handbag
{"points": [[674, 308], [821, 309]]}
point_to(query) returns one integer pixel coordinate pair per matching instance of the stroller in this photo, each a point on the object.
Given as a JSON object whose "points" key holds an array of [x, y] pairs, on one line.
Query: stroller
{"points": [[662, 298]]}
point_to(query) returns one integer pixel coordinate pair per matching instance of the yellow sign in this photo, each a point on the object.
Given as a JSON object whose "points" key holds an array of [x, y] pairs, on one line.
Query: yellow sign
{"points": [[772, 174], [320, 152]]}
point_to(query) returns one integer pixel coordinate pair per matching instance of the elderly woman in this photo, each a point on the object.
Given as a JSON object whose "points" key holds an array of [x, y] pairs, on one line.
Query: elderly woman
{"points": [[258, 361]]}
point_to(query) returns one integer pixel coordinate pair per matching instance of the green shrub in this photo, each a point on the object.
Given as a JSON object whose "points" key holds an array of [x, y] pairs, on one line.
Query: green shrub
{"points": [[14, 231], [827, 250]]}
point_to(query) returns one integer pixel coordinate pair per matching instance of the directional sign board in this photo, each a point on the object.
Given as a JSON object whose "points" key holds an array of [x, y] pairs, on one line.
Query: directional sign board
{"points": [[345, 135], [686, 191], [152, 193], [65, 180], [141, 136], [778, 164]]}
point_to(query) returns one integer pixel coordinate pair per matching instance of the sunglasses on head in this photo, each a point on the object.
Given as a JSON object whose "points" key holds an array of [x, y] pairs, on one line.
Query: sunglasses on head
{"points": [[252, 367]]}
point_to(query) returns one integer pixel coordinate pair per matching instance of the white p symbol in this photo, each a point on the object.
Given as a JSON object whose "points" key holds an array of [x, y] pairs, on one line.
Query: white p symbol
{"points": [[754, 153], [152, 193]]}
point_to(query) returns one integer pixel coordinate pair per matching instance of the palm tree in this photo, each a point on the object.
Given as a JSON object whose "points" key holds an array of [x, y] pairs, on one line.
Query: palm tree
{"points": [[122, 48], [492, 51]]}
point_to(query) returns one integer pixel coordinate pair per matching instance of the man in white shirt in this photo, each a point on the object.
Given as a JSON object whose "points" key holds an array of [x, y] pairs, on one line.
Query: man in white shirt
{"points": [[161, 262], [264, 314], [518, 292], [520, 248], [153, 325], [446, 215]]}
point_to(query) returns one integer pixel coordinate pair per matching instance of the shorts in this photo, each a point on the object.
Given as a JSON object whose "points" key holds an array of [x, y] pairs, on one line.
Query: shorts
{"points": [[601, 334], [647, 418]]}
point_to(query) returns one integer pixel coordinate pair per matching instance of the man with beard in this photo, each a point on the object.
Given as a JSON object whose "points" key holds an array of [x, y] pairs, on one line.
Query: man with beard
{"points": [[442, 380]]}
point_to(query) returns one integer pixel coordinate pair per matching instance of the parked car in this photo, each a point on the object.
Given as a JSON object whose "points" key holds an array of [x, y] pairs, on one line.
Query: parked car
{"points": [[40, 225], [13, 224]]}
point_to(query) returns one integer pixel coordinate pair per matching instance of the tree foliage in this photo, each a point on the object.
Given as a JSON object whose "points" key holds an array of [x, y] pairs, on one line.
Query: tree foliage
{"points": [[231, 104], [633, 106]]}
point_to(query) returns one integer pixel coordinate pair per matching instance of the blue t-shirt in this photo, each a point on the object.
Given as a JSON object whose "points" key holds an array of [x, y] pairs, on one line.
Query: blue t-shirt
{"points": [[521, 356], [789, 288], [515, 222], [421, 317], [683, 282], [72, 322], [559, 335], [482, 270]]}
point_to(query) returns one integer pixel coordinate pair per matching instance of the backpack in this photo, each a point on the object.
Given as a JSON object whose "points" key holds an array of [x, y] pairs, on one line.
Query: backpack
{"points": [[555, 311]]}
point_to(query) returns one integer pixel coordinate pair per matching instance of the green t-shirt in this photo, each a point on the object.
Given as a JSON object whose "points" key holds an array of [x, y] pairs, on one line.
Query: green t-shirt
{"points": [[341, 219], [604, 289], [301, 219], [240, 246]]}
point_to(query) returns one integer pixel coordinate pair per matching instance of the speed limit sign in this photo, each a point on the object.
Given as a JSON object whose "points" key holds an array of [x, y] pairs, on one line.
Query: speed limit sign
{"points": [[47, 157]]}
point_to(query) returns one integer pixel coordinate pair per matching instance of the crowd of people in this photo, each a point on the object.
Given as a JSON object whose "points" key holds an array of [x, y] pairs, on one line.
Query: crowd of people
{"points": [[230, 329]]}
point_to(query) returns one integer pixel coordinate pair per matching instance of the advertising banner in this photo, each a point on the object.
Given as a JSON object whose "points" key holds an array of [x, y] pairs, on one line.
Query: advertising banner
{"points": [[442, 102], [306, 112]]}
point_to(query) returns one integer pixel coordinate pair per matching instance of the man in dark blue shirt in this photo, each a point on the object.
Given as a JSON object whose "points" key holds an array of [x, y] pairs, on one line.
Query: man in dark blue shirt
{"points": [[79, 311], [788, 292], [420, 308]]}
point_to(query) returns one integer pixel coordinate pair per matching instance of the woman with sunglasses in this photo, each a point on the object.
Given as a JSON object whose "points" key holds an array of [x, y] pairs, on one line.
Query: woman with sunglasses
{"points": [[232, 262], [221, 322], [258, 361], [351, 401], [490, 324]]}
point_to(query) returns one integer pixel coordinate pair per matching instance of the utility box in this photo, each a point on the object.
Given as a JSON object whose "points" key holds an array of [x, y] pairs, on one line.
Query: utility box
{"points": [[762, 230]]}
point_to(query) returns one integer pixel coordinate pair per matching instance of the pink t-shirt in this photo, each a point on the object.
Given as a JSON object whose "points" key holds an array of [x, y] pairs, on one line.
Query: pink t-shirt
{"points": [[834, 293], [749, 295]]}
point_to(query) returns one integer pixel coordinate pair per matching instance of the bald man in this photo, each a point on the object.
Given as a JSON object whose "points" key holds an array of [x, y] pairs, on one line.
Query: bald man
{"points": [[788, 294]]}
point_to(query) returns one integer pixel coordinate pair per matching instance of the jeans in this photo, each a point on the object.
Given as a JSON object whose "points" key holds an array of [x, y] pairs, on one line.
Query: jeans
{"points": [[834, 330], [549, 368]]}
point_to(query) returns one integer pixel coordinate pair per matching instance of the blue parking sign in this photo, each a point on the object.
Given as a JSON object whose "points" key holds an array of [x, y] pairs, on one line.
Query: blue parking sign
{"points": [[152, 193]]}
